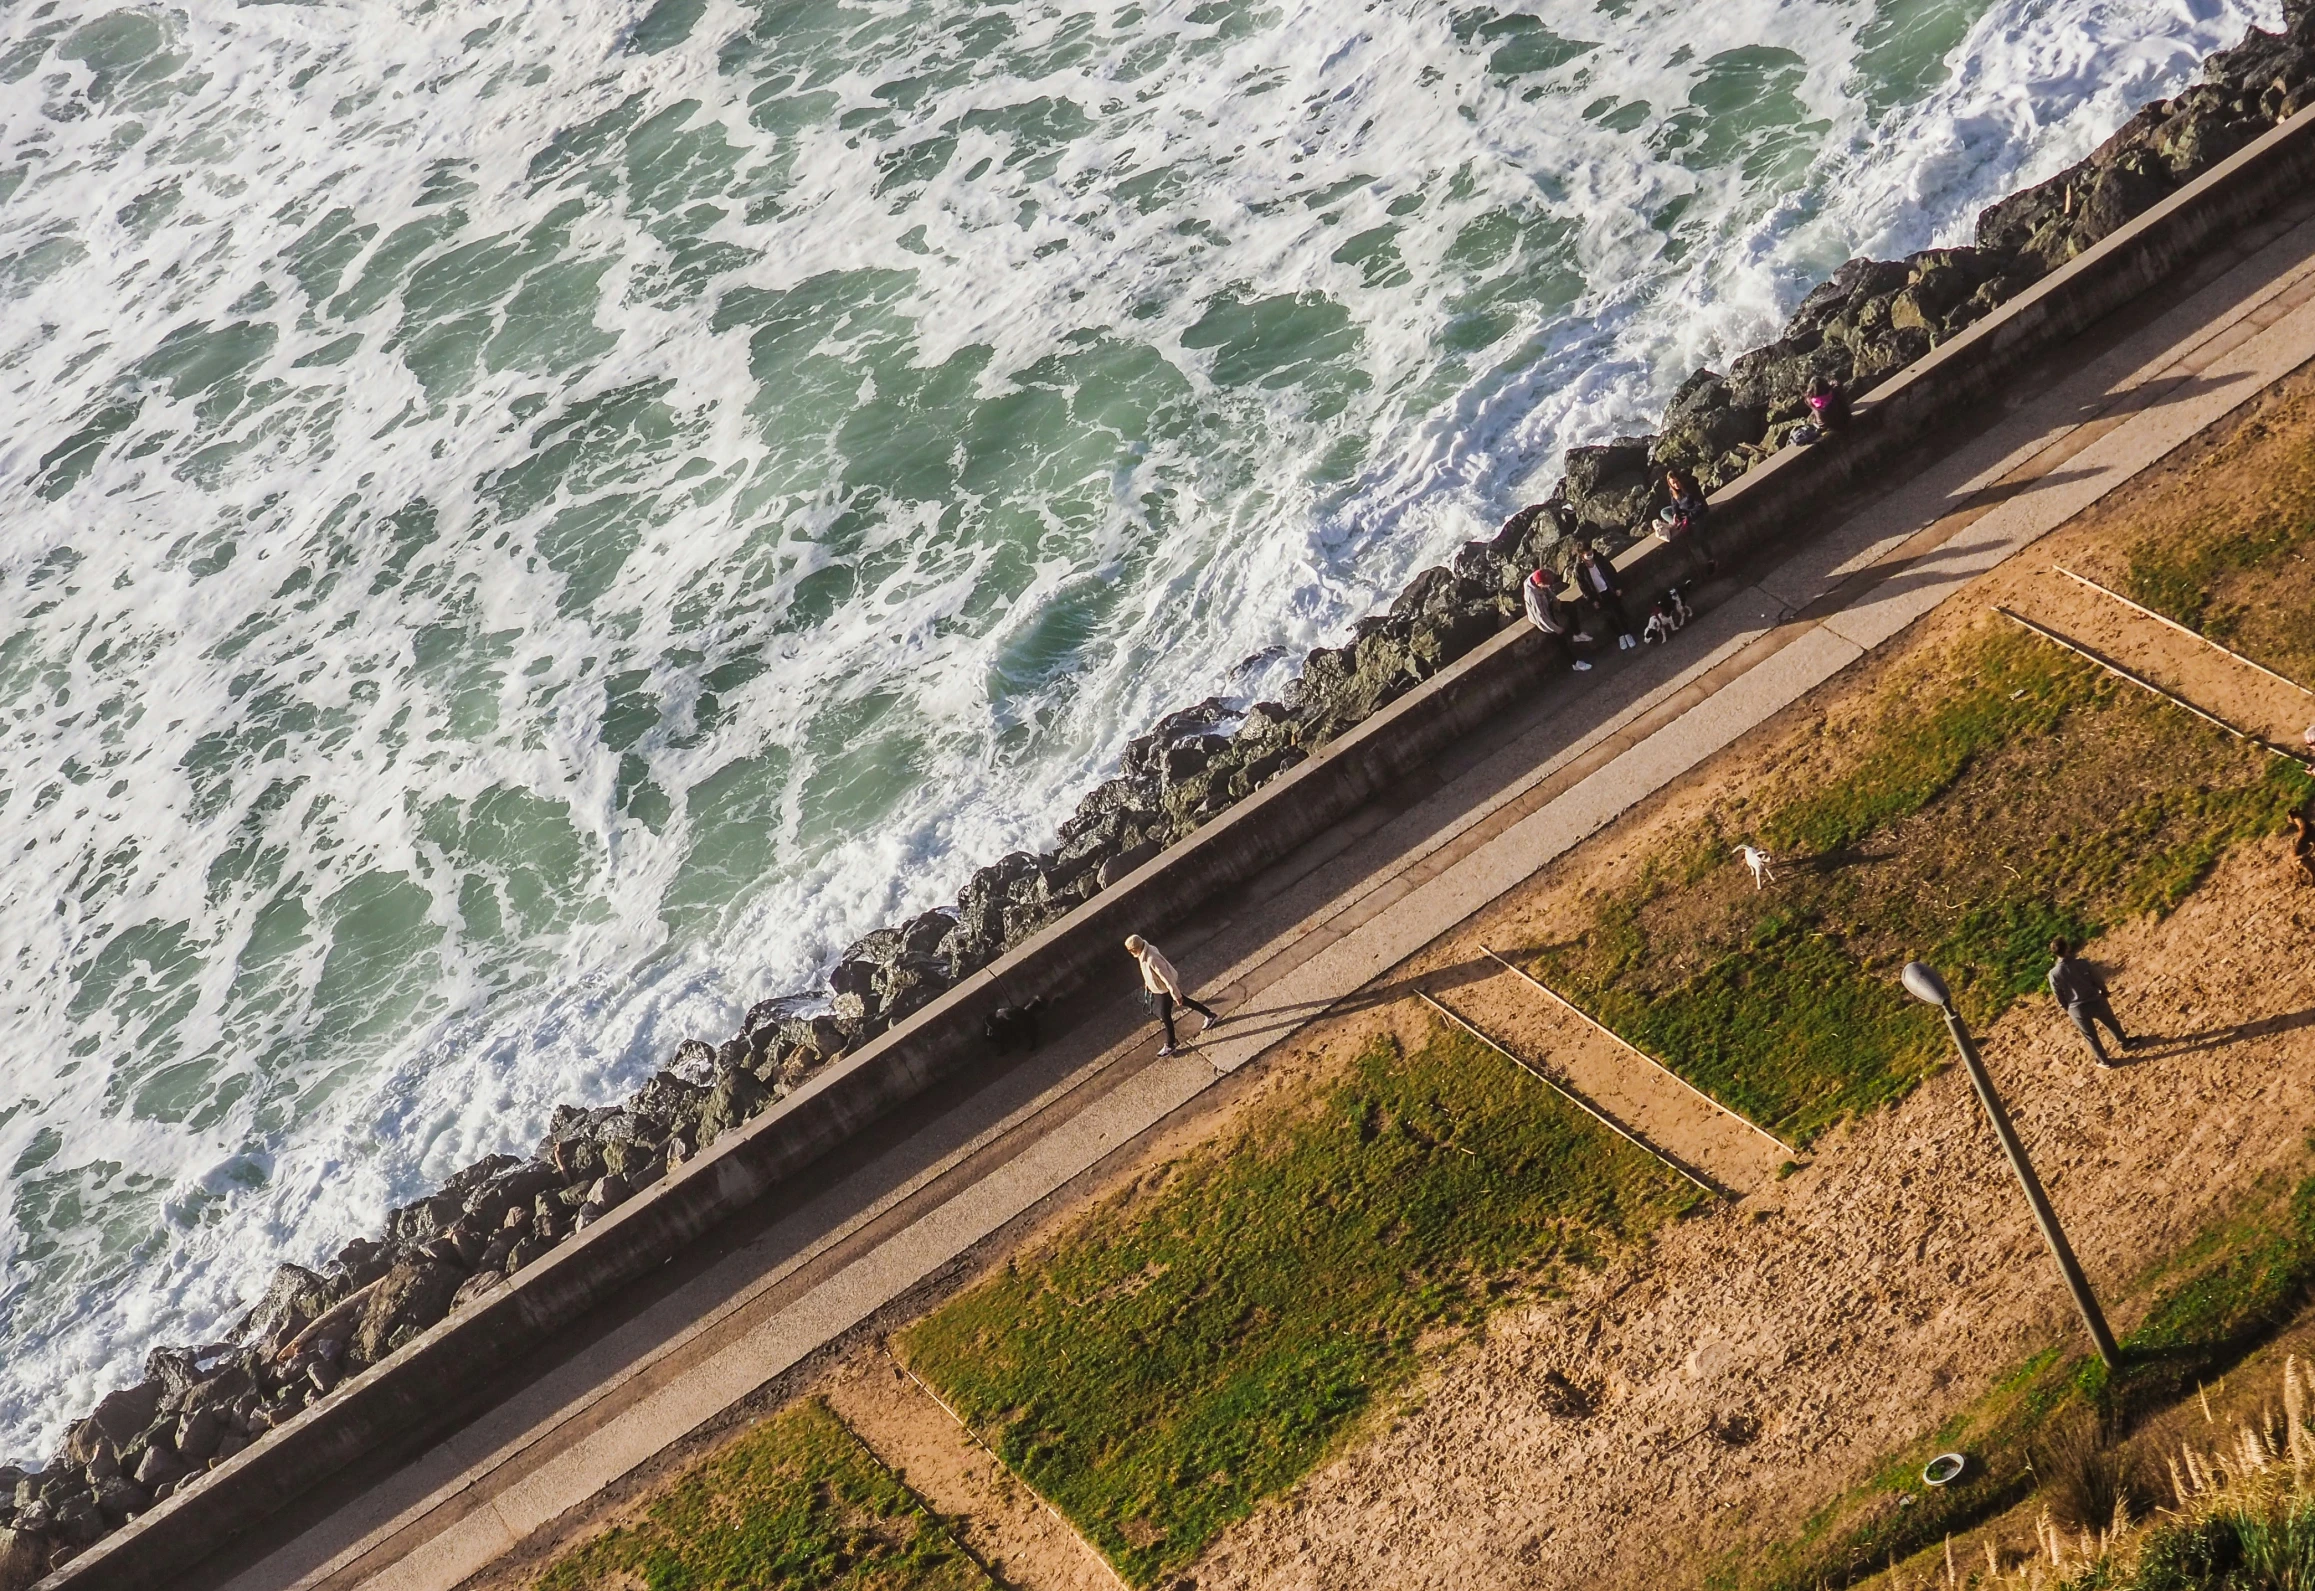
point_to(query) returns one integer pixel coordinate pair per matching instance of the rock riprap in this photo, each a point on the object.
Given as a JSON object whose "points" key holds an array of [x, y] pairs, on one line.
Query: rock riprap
{"points": [[197, 1407]]}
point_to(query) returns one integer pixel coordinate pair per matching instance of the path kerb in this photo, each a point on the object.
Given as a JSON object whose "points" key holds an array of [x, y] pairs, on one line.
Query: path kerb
{"points": [[433, 1383]]}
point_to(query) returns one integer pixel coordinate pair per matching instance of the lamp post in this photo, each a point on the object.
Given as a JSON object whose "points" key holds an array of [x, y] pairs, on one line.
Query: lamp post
{"points": [[1922, 982]]}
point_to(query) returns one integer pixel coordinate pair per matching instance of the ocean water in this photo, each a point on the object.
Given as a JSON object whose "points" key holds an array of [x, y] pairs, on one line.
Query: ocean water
{"points": [[529, 527]]}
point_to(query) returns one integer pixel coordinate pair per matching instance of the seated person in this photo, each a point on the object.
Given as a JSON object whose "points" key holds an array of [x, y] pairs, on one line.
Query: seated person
{"points": [[1828, 408], [1550, 615]]}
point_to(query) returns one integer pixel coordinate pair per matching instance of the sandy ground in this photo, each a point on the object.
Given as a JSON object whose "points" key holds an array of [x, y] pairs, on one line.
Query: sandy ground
{"points": [[1760, 1358]]}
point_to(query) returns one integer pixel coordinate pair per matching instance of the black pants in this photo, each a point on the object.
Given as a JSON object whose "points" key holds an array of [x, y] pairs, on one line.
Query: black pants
{"points": [[1607, 606], [1697, 562], [2087, 1014], [1561, 645], [1166, 1013]]}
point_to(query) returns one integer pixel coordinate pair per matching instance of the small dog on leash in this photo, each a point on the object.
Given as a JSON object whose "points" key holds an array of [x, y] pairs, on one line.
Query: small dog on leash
{"points": [[1014, 1027], [1762, 864], [1666, 617]]}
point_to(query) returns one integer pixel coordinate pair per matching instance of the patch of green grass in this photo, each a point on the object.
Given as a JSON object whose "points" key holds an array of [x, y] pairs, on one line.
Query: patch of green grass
{"points": [[1925, 739], [1984, 811], [1789, 1031], [798, 1504], [2186, 576], [2228, 546], [1198, 1343], [2222, 1296], [2239, 1284], [2256, 1537]]}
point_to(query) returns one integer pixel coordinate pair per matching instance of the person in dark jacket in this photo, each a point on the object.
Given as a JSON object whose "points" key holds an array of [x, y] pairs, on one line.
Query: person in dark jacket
{"points": [[1550, 615], [1602, 592], [2076, 986], [1681, 524]]}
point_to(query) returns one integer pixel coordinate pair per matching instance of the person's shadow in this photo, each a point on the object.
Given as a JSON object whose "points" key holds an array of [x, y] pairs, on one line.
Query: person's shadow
{"points": [[2169, 1046]]}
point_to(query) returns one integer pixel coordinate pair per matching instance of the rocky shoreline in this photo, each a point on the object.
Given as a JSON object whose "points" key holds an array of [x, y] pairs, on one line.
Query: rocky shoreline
{"points": [[197, 1407]]}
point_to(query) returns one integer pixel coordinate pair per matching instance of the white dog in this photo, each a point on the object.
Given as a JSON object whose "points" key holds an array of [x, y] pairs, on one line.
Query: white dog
{"points": [[1762, 864]]}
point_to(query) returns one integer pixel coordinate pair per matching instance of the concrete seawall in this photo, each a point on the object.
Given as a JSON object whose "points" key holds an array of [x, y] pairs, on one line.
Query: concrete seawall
{"points": [[435, 1380]]}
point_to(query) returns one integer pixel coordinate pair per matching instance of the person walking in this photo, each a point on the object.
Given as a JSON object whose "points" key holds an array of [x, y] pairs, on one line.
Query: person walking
{"points": [[1602, 593], [2075, 985], [1550, 615], [1164, 986]]}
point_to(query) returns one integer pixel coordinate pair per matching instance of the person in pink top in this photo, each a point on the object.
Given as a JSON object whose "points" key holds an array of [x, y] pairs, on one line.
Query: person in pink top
{"points": [[1164, 986]]}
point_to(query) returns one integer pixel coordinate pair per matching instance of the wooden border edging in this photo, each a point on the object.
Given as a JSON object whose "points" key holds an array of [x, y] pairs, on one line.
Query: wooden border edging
{"points": [[2185, 630], [1570, 1095], [1618, 1038], [2144, 684], [436, 1381]]}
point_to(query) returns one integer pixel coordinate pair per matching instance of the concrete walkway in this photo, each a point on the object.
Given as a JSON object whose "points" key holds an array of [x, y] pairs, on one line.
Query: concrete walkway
{"points": [[1320, 930]]}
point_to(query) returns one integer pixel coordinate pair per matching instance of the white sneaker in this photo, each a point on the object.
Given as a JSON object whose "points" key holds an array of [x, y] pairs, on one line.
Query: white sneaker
{"points": [[1204, 1023], [1581, 667], [1625, 643], [1167, 1049]]}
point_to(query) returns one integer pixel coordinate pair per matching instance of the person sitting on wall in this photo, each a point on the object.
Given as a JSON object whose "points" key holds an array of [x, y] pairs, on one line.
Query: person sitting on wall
{"points": [[1687, 494], [1601, 591], [1681, 524], [1550, 615], [1828, 411]]}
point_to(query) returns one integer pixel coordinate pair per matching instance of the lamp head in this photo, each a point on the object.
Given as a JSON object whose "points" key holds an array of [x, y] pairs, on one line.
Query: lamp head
{"points": [[1922, 982]]}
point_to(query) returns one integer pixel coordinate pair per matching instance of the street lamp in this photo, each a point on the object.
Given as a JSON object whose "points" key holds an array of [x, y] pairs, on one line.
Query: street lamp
{"points": [[1922, 982]]}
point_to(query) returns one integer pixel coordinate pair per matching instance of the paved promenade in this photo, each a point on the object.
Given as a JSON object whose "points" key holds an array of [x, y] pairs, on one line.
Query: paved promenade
{"points": [[1326, 926]]}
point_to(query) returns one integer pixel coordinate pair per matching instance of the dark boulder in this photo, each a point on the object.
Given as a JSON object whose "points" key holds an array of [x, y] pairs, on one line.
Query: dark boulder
{"points": [[360, 1263], [1127, 862], [423, 1220], [124, 1414], [23, 1558], [120, 1500], [474, 1287], [576, 1159], [910, 983], [737, 1095], [526, 1251], [78, 1521], [294, 1296], [198, 1434], [510, 1189], [1704, 425], [666, 1099], [159, 1466], [923, 933], [412, 1297], [83, 1441], [1611, 488]]}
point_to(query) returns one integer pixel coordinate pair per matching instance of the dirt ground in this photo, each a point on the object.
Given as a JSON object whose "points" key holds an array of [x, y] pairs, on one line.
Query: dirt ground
{"points": [[1759, 1359]]}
